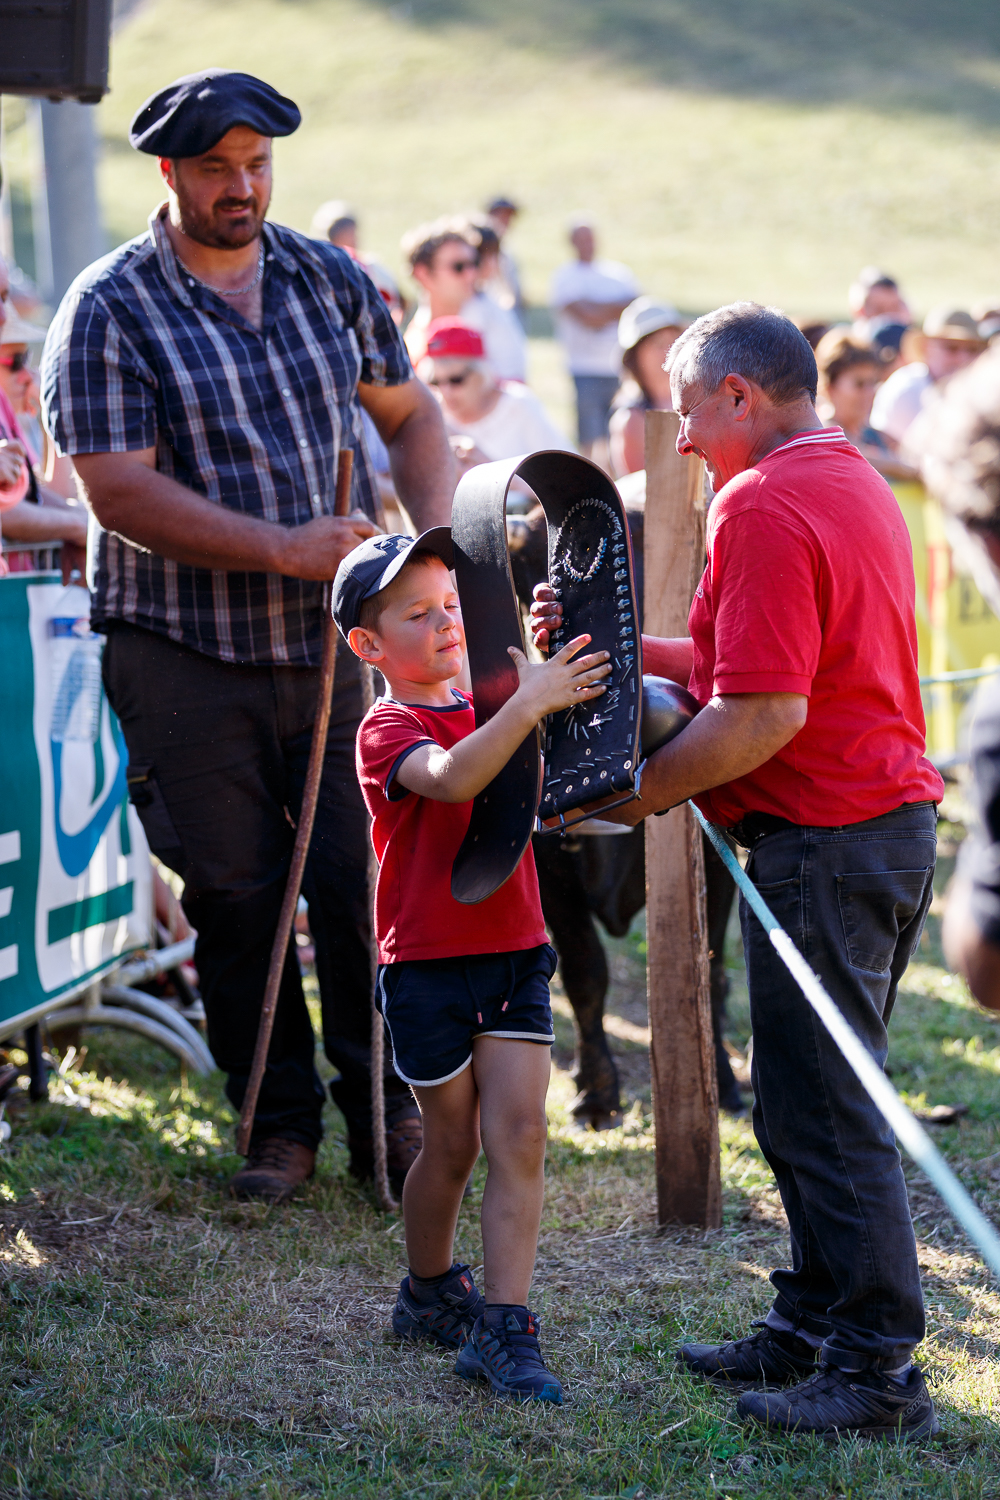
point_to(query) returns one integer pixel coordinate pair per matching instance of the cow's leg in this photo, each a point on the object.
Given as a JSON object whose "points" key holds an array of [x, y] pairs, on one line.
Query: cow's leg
{"points": [[720, 888], [585, 978]]}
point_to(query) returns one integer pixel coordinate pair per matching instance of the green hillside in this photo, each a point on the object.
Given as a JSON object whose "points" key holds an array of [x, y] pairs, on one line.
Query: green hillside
{"points": [[726, 150]]}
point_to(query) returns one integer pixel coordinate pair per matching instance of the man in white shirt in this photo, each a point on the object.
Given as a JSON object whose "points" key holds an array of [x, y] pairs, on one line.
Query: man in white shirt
{"points": [[588, 297], [948, 342], [444, 264]]}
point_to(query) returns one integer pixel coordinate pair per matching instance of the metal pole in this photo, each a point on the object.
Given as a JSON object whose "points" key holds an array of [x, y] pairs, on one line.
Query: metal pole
{"points": [[76, 235]]}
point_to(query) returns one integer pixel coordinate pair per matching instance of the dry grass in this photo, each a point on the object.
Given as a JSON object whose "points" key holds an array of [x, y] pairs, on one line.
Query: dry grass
{"points": [[159, 1340]]}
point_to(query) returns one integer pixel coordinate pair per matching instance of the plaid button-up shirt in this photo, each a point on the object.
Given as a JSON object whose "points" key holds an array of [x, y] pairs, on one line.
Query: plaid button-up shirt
{"points": [[141, 355]]}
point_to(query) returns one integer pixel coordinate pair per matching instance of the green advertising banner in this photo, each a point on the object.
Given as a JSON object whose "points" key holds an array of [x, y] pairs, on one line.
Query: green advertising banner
{"points": [[75, 880]]}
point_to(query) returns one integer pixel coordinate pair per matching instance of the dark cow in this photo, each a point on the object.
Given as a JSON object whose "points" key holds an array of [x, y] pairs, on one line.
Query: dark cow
{"points": [[583, 876]]}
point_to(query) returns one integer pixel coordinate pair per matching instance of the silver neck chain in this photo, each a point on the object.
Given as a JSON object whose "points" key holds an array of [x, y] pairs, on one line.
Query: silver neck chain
{"points": [[239, 291]]}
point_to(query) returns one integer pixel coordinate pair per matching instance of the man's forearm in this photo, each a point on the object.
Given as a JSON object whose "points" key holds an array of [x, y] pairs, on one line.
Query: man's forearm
{"points": [[423, 469], [27, 522], [672, 658], [731, 737], [595, 315], [159, 515], [129, 497]]}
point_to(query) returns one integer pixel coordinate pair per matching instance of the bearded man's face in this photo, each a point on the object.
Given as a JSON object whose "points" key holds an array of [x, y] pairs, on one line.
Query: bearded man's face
{"points": [[221, 199]]}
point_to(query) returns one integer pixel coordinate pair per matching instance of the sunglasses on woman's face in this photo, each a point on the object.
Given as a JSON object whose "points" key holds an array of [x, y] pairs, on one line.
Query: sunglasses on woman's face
{"points": [[15, 362], [452, 379]]}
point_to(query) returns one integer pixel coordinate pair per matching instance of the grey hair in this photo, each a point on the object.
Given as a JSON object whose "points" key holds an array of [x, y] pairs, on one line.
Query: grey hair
{"points": [[760, 343], [960, 443]]}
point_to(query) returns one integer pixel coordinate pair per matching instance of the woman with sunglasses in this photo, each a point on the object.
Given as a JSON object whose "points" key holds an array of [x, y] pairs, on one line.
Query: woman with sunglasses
{"points": [[486, 419]]}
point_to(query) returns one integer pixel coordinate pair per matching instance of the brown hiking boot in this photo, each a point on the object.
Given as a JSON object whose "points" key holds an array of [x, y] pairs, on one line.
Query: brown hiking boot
{"points": [[402, 1146], [274, 1168]]}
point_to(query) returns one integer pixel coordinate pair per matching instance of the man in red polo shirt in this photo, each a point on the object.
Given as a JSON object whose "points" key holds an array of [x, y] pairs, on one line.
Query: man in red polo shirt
{"points": [[809, 749]]}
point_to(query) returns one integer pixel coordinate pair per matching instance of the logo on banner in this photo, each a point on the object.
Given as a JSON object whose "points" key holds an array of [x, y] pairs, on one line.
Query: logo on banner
{"points": [[93, 872]]}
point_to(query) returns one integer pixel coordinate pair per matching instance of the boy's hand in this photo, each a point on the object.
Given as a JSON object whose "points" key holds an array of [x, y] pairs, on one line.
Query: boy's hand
{"points": [[546, 687]]}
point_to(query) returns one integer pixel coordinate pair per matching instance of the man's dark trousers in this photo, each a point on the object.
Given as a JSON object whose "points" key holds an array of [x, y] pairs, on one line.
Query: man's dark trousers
{"points": [[217, 765], [853, 900]]}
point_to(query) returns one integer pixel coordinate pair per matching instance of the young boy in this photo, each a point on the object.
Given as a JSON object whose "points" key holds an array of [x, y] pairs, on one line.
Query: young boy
{"points": [[464, 989]]}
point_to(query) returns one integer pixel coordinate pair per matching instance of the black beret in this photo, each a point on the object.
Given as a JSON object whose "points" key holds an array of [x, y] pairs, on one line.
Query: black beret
{"points": [[191, 114]]}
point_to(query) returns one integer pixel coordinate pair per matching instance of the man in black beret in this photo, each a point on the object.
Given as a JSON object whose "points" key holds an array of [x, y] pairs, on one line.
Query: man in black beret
{"points": [[205, 377]]}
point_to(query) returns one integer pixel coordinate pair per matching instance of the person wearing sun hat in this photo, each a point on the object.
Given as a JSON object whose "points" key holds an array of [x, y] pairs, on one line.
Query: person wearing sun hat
{"points": [[647, 330], [948, 341], [206, 377]]}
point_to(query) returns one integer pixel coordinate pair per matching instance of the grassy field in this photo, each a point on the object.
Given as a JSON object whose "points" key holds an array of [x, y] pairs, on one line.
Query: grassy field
{"points": [[159, 1340], [726, 151]]}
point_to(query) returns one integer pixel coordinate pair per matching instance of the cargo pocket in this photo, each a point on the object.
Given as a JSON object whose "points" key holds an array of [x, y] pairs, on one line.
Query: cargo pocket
{"points": [[875, 907], [146, 796]]}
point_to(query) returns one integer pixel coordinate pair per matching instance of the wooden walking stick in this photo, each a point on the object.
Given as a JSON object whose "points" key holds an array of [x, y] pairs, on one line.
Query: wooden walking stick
{"points": [[303, 834], [383, 1190]]}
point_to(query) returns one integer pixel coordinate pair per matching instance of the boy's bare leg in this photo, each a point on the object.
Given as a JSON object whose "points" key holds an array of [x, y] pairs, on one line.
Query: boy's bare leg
{"points": [[432, 1192], [512, 1078]]}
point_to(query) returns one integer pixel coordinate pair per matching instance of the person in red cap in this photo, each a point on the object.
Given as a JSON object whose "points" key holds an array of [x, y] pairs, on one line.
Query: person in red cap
{"points": [[486, 418]]}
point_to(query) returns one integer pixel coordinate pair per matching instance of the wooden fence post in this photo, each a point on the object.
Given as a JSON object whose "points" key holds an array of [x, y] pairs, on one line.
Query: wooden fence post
{"points": [[682, 1057]]}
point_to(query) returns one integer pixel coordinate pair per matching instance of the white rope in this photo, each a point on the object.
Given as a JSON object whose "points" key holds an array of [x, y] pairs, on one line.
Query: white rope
{"points": [[909, 1132]]}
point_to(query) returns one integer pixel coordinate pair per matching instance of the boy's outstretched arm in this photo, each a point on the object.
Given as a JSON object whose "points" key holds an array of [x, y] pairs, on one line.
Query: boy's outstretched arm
{"points": [[458, 774]]}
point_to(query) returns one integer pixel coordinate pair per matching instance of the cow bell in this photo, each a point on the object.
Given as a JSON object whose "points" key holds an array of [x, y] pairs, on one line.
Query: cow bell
{"points": [[667, 708]]}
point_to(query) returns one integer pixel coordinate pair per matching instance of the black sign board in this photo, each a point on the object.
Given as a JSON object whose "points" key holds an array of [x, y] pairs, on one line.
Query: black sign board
{"points": [[56, 49]]}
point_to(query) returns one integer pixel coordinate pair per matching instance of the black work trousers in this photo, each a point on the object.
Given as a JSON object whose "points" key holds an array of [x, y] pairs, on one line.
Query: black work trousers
{"points": [[853, 901], [217, 767]]}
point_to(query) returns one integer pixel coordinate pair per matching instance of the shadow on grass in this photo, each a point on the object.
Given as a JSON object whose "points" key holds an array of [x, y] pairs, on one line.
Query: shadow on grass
{"points": [[898, 55], [103, 1128]]}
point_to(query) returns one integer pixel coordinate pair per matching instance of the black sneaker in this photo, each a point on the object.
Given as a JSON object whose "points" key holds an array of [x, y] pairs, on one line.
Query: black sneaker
{"points": [[449, 1320], [503, 1349], [769, 1357], [865, 1402]]}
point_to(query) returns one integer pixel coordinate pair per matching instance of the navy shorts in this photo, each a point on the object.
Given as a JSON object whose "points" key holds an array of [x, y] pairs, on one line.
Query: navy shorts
{"points": [[435, 1008]]}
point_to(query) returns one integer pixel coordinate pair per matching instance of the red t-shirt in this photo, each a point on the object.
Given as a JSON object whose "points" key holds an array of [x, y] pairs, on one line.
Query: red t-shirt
{"points": [[416, 840], [809, 589]]}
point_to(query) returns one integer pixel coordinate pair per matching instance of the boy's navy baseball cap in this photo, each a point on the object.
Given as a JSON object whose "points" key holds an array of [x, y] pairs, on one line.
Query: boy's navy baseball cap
{"points": [[372, 567]]}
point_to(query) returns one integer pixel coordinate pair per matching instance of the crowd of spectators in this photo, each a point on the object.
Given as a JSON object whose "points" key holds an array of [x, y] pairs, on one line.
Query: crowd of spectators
{"points": [[879, 369], [464, 317]]}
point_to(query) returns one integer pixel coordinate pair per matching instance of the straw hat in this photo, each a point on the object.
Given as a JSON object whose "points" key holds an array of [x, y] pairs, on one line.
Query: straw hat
{"points": [[952, 323]]}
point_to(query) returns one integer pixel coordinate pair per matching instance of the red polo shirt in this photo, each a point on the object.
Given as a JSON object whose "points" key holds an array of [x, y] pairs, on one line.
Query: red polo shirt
{"points": [[809, 589]]}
